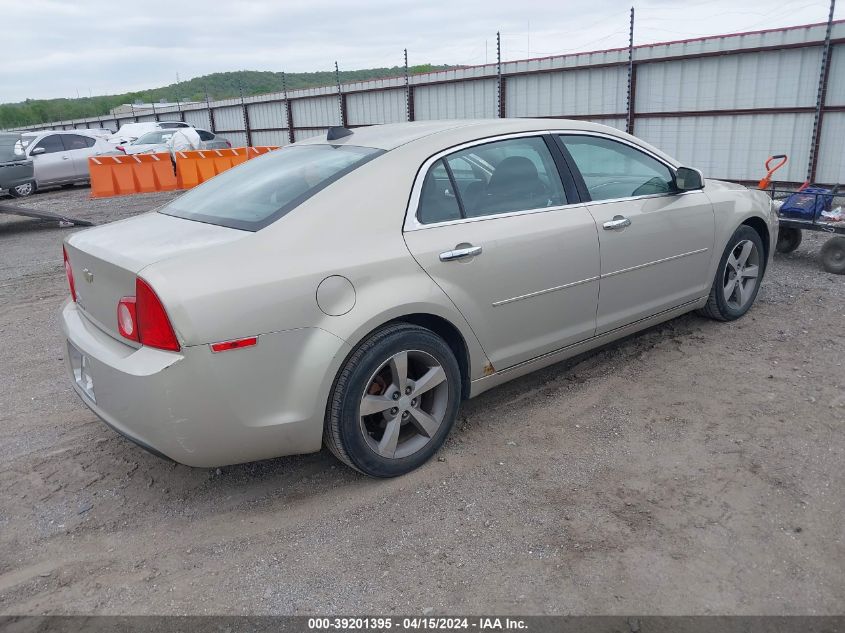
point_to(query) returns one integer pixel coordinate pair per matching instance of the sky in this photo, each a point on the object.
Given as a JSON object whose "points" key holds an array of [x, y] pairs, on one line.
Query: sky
{"points": [[65, 48]]}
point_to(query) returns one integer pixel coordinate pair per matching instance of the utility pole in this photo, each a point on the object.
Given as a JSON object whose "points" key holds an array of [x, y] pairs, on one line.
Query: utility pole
{"points": [[629, 127], [245, 115], [408, 112], [340, 99], [820, 99], [288, 109], [210, 111], [500, 86]]}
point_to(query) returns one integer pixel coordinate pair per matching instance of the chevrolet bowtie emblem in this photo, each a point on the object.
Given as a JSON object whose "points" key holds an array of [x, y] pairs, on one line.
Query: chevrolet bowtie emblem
{"points": [[89, 276]]}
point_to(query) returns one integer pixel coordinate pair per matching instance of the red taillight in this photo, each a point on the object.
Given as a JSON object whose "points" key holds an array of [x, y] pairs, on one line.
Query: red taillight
{"points": [[121, 148], [69, 273], [229, 143], [154, 327], [143, 318], [127, 319], [225, 346]]}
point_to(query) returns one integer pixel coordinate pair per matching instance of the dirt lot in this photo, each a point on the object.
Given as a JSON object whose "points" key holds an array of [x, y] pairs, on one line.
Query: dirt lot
{"points": [[695, 468]]}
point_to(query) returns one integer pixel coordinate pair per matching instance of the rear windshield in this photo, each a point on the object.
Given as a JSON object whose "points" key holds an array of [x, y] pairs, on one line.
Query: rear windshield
{"points": [[263, 189], [154, 138]]}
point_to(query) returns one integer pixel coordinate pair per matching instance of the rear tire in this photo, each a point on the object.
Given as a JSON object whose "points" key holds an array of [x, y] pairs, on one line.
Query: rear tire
{"points": [[738, 276], [24, 190], [408, 379], [833, 255], [788, 240]]}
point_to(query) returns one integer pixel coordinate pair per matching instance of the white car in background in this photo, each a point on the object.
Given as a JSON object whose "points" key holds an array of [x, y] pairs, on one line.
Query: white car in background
{"points": [[59, 158], [158, 141], [131, 131]]}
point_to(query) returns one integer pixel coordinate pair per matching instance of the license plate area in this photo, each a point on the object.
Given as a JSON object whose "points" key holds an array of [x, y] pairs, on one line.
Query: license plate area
{"points": [[81, 365]]}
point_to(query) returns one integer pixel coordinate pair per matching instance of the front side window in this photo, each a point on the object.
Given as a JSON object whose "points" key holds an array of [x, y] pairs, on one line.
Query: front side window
{"points": [[260, 191], [500, 177], [51, 144], [154, 138], [615, 170]]}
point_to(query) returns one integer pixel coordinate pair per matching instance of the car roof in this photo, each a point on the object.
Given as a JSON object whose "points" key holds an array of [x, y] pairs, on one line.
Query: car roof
{"points": [[453, 132], [80, 132], [392, 135]]}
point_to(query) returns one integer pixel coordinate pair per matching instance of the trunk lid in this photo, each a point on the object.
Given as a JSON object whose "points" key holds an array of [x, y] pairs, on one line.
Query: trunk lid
{"points": [[106, 260]]}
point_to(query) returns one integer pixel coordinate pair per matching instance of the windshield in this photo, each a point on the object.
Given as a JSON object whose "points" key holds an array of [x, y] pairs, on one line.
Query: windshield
{"points": [[154, 138], [262, 190], [11, 147]]}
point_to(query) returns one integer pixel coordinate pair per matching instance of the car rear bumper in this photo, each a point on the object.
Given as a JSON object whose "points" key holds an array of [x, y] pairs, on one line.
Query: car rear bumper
{"points": [[208, 409]]}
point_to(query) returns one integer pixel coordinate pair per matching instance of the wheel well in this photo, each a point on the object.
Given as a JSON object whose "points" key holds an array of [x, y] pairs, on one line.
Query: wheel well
{"points": [[449, 333], [759, 225]]}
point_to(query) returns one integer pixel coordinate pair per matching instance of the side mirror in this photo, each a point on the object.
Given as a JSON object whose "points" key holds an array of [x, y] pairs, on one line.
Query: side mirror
{"points": [[37, 151], [688, 179]]}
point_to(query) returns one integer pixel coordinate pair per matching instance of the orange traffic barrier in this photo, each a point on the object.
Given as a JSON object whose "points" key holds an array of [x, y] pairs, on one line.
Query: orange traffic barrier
{"points": [[143, 173], [124, 175], [197, 166]]}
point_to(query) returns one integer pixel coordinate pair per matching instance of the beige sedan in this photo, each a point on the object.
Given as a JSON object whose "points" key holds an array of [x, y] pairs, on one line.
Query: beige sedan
{"points": [[352, 290]]}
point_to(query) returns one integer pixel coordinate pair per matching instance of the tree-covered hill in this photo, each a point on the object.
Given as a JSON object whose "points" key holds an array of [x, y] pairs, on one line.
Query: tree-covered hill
{"points": [[219, 86]]}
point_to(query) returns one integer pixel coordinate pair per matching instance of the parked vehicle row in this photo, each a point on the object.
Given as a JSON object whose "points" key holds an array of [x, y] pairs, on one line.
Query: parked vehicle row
{"points": [[60, 157]]}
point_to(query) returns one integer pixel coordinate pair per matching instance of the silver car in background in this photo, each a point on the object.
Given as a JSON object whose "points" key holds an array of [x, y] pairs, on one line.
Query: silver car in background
{"points": [[59, 158], [350, 291]]}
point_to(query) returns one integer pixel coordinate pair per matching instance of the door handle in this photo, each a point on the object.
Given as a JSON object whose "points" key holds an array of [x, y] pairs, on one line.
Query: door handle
{"points": [[618, 222], [65, 157], [460, 253]]}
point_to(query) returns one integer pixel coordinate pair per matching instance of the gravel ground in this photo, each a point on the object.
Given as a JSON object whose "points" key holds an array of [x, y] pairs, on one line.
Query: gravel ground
{"points": [[694, 468]]}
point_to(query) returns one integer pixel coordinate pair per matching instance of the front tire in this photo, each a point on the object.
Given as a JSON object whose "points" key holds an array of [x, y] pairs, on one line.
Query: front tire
{"points": [[737, 277], [394, 401], [24, 190]]}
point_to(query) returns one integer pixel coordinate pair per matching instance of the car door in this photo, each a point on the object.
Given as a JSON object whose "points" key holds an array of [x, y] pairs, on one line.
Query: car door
{"points": [[494, 225], [656, 244], [53, 163], [80, 148]]}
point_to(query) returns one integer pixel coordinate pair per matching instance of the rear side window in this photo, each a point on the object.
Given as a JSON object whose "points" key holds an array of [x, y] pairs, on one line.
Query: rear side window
{"points": [[77, 141], [516, 174], [615, 170], [437, 199], [205, 136], [51, 144], [264, 189]]}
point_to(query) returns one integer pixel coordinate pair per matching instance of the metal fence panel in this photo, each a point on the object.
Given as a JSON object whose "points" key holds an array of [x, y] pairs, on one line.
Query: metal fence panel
{"points": [[229, 118], [773, 79], [733, 146], [316, 111], [382, 106], [267, 116], [618, 122], [463, 100], [237, 139], [836, 85], [146, 118], [831, 154], [301, 135], [571, 92], [270, 137], [198, 118], [169, 116]]}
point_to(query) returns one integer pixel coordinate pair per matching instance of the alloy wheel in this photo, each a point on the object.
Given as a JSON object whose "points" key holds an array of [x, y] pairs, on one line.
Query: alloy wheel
{"points": [[741, 274], [404, 404]]}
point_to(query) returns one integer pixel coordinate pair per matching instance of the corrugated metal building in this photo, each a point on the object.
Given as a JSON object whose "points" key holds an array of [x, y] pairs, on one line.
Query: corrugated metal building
{"points": [[722, 104]]}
